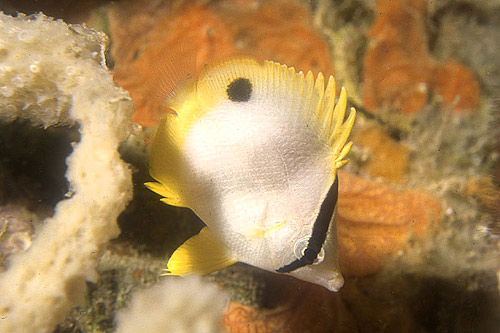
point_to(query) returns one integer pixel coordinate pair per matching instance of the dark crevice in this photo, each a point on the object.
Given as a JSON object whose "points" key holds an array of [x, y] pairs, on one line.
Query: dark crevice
{"points": [[33, 164]]}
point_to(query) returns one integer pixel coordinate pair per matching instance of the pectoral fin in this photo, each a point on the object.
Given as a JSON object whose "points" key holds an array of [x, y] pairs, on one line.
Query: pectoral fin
{"points": [[201, 254]]}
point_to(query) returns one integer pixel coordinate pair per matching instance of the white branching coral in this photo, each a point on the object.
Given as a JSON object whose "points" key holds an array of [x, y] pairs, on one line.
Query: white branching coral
{"points": [[180, 305], [52, 73]]}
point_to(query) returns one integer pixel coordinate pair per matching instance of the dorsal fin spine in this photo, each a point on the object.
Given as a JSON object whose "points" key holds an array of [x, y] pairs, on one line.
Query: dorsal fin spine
{"points": [[345, 150], [300, 88], [310, 85], [339, 111], [319, 87], [330, 102], [339, 139]]}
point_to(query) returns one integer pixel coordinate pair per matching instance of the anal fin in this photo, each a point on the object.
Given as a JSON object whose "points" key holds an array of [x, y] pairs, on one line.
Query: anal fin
{"points": [[201, 254]]}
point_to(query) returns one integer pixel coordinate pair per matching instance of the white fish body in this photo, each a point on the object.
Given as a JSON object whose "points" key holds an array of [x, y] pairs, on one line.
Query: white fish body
{"points": [[253, 150]]}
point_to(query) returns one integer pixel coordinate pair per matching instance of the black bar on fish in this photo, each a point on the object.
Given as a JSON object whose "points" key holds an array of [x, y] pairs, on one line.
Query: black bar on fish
{"points": [[320, 228]]}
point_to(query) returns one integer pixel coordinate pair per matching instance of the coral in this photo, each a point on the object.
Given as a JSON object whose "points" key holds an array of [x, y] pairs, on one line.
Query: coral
{"points": [[266, 30], [399, 71], [294, 306], [72, 11], [52, 73], [281, 31], [16, 230], [375, 221], [387, 158], [175, 305]]}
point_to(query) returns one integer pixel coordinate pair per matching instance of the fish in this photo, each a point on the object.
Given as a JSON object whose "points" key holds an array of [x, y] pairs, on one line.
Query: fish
{"points": [[253, 150]]}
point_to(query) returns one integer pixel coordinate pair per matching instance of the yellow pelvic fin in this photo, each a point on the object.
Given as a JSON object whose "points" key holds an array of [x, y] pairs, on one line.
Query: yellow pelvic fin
{"points": [[171, 197], [201, 254], [261, 231]]}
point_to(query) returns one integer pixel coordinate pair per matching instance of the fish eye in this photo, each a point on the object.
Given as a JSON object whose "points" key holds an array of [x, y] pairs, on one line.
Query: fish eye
{"points": [[301, 246], [239, 90]]}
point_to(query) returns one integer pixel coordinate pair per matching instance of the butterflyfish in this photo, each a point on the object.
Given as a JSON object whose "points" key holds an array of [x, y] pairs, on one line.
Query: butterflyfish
{"points": [[253, 149]]}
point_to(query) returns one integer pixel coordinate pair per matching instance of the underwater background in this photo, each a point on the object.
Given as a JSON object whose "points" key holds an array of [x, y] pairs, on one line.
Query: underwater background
{"points": [[419, 202]]}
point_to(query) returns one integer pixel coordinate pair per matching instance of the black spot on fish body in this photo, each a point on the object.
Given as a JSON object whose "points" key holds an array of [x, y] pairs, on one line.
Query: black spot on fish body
{"points": [[239, 90]]}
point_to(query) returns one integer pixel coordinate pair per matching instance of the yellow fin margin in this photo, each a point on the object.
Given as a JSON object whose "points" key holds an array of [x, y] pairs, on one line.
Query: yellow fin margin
{"points": [[339, 137], [171, 197], [317, 100], [201, 254], [320, 101]]}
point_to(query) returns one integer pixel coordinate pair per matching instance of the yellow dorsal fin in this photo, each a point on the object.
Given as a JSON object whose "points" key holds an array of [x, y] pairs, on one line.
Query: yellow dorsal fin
{"points": [[318, 102], [166, 164], [319, 87], [196, 98], [170, 196], [271, 77], [309, 81], [339, 138], [180, 95], [339, 111], [329, 102], [201, 254]]}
